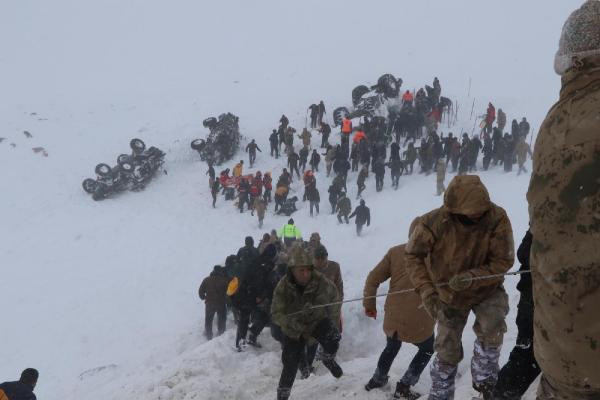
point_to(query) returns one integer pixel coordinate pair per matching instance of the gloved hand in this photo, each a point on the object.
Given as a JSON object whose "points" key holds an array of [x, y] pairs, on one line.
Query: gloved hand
{"points": [[371, 313], [461, 281], [431, 303]]}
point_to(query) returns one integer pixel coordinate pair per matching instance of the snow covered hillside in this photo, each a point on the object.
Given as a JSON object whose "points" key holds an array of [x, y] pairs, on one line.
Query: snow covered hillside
{"points": [[101, 297]]}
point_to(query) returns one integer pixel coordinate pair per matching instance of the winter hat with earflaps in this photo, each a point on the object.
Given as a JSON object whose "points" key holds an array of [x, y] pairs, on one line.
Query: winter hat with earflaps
{"points": [[580, 37]]}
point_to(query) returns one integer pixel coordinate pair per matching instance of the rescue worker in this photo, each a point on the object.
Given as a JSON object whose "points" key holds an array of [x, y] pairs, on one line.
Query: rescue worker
{"points": [[343, 207], [522, 149], [300, 289], [396, 169], [501, 120], [315, 159], [213, 291], [293, 159], [289, 207], [322, 112], [334, 193], [314, 114], [329, 158], [468, 237], [303, 157], [522, 369], [346, 132], [284, 121], [314, 199], [564, 209], [238, 170], [332, 271], [407, 97], [314, 241], [488, 150], [410, 156], [211, 174], [440, 170], [490, 117], [280, 196], [251, 150], [243, 193], [21, 389], [214, 191], [259, 205], [274, 141], [360, 181], [290, 233], [379, 170], [524, 128], [325, 131], [305, 136], [363, 216], [267, 183], [405, 320]]}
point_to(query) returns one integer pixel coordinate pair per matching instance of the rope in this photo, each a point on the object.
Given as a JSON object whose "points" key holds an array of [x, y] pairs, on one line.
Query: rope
{"points": [[478, 278]]}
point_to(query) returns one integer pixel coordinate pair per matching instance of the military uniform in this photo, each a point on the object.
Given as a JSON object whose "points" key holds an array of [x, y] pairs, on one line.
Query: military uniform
{"points": [[291, 311], [468, 237]]}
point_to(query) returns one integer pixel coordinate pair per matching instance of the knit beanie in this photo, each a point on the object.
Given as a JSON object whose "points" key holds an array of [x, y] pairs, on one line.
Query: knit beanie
{"points": [[580, 36]]}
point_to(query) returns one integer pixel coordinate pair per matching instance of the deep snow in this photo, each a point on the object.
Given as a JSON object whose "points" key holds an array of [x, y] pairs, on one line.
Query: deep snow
{"points": [[102, 297]]}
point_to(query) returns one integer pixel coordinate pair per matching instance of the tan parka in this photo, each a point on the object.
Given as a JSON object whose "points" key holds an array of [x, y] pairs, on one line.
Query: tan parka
{"points": [[452, 247], [564, 211], [404, 314]]}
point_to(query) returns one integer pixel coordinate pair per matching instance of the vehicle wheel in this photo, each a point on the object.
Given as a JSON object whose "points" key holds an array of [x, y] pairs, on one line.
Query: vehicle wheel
{"points": [[198, 144], [358, 92], [103, 170], [388, 85], [123, 158], [339, 114], [89, 185], [126, 167], [210, 122], [137, 145]]}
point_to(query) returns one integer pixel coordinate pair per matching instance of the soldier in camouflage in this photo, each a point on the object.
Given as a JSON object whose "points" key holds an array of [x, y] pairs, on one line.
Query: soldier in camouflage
{"points": [[468, 237], [296, 293]]}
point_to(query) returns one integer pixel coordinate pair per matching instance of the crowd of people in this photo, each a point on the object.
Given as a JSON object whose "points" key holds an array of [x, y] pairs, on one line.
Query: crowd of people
{"points": [[435, 284]]}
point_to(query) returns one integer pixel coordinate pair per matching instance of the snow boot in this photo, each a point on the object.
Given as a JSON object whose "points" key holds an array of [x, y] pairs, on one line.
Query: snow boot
{"points": [[403, 392], [283, 393], [376, 383], [240, 345], [253, 342], [332, 366], [306, 371], [485, 389]]}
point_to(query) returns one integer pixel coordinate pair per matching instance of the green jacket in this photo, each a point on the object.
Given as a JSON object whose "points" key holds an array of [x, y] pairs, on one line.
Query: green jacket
{"points": [[288, 298], [344, 206], [290, 231]]}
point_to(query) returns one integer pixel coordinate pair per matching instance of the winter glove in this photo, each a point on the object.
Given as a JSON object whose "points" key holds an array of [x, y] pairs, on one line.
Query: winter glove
{"points": [[461, 282], [431, 303], [371, 313]]}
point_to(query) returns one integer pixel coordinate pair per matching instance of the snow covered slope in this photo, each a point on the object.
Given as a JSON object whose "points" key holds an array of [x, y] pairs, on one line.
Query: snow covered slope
{"points": [[101, 297]]}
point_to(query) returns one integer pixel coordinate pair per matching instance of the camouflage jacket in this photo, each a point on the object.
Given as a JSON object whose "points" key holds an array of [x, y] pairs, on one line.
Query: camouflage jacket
{"points": [[564, 210], [289, 298]]}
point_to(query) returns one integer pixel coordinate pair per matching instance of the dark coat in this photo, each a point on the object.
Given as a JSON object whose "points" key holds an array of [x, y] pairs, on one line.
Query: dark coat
{"points": [[213, 289], [16, 391], [363, 215]]}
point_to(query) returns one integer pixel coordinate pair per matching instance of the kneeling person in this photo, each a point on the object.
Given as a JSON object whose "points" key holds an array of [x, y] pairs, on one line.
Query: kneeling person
{"points": [[300, 289]]}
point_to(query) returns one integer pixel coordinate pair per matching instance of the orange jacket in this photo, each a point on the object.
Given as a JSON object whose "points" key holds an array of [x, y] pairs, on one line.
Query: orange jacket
{"points": [[346, 126]]}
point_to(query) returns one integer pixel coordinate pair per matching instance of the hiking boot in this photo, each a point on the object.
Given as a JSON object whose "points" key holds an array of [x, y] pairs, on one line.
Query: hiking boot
{"points": [[240, 345], [333, 367], [403, 392], [486, 389], [376, 383], [253, 342], [305, 372]]}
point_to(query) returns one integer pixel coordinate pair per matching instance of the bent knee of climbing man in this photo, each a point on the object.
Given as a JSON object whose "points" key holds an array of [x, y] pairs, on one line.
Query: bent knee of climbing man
{"points": [[448, 341], [490, 319]]}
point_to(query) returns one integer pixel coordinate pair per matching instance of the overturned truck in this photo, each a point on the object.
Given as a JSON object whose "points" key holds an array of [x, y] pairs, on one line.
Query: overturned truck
{"points": [[222, 142]]}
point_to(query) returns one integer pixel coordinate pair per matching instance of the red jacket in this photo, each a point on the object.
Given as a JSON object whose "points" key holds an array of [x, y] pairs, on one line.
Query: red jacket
{"points": [[407, 96], [267, 182], [491, 114]]}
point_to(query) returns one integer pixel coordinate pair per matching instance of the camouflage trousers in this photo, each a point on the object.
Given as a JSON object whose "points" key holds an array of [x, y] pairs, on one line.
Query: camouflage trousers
{"points": [[489, 328], [440, 187], [552, 390]]}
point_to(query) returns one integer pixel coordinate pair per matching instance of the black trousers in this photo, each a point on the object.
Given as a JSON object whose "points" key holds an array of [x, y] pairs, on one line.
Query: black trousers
{"points": [[260, 319], [521, 369], [314, 204], [274, 149], [326, 334], [359, 228], [416, 366], [209, 316]]}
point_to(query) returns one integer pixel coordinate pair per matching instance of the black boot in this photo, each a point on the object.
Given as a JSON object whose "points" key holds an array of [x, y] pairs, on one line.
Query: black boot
{"points": [[253, 342], [333, 367], [376, 382], [486, 388], [403, 392], [283, 393]]}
